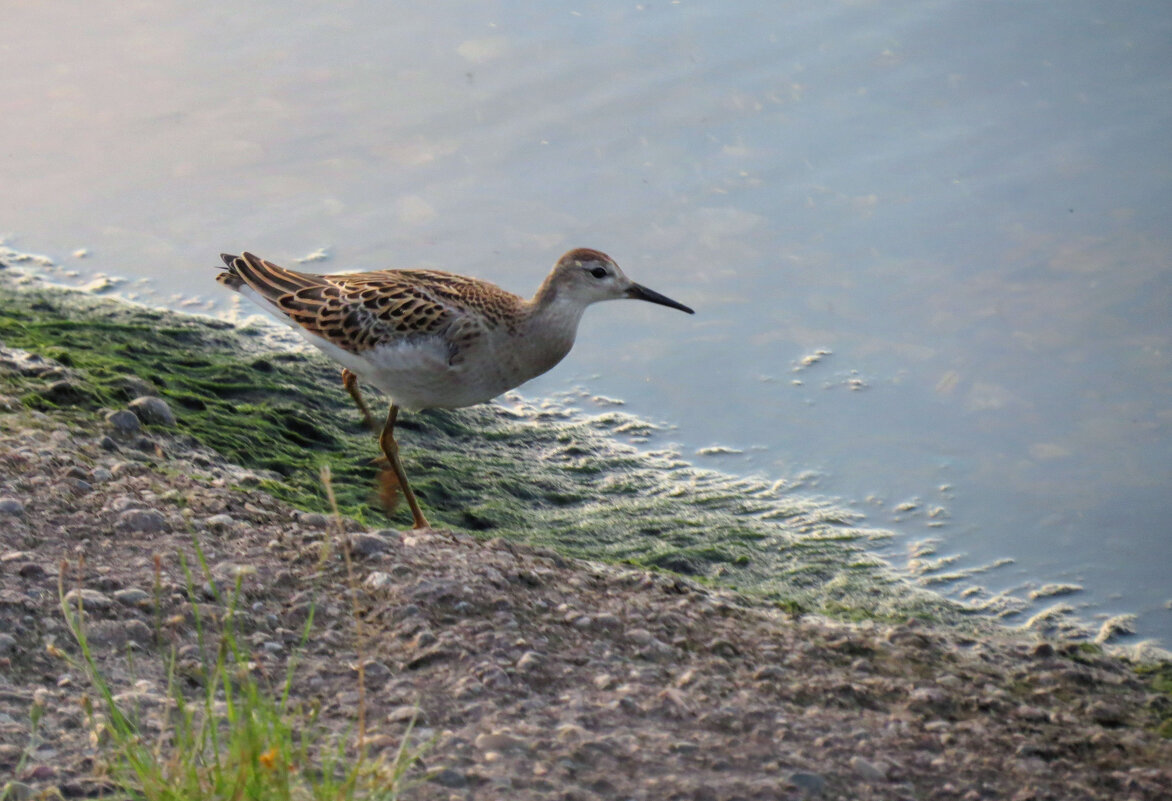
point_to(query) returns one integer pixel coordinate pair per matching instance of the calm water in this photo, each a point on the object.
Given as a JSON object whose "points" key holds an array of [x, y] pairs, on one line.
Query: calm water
{"points": [[966, 205]]}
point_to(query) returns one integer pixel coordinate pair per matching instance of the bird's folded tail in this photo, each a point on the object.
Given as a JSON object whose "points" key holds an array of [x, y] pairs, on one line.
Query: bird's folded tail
{"points": [[268, 280]]}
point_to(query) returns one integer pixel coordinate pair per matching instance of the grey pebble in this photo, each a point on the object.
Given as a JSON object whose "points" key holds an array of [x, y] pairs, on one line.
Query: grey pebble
{"points": [[153, 410], [371, 544], [219, 522], [373, 669], [11, 506], [91, 599], [606, 620], [768, 672], [124, 421], [406, 714], [131, 596], [9, 755], [497, 741], [64, 392], [640, 636], [147, 521], [530, 660], [117, 633], [377, 580], [450, 777], [811, 784], [7, 644], [868, 771], [1106, 713]]}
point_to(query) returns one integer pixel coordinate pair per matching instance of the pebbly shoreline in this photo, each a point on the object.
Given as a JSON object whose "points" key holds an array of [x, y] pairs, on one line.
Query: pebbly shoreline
{"points": [[531, 675]]}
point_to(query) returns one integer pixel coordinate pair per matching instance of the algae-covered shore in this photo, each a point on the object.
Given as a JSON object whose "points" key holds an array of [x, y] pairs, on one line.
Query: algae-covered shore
{"points": [[602, 620], [588, 484]]}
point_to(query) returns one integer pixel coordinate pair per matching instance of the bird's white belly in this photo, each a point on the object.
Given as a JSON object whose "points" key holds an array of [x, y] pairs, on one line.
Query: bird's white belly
{"points": [[419, 375]]}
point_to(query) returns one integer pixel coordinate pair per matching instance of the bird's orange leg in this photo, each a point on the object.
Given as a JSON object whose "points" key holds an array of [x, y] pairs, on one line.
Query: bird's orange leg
{"points": [[386, 441], [350, 382]]}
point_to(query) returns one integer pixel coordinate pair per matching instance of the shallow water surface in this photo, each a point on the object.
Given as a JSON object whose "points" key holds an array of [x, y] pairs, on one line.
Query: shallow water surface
{"points": [[927, 241]]}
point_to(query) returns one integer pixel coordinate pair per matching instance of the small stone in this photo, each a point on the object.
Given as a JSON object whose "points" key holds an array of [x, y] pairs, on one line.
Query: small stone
{"points": [[30, 570], [377, 580], [146, 444], [220, 522], [374, 673], [1107, 714], [811, 784], [497, 741], [41, 773], [406, 714], [153, 411], [11, 506], [9, 755], [604, 681], [605, 620], [1043, 650], [117, 633], [64, 392], [100, 474], [929, 699], [147, 521], [723, 648], [868, 771], [430, 657], [363, 544], [7, 644], [450, 777], [640, 636], [124, 421], [131, 596], [529, 661], [424, 639], [91, 599], [570, 732], [1031, 713]]}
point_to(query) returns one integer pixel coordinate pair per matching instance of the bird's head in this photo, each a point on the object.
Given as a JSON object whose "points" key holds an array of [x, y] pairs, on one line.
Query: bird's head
{"points": [[587, 276]]}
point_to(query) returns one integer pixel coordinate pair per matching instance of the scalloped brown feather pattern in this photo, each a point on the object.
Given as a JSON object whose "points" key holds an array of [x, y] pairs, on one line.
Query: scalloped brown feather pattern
{"points": [[360, 311]]}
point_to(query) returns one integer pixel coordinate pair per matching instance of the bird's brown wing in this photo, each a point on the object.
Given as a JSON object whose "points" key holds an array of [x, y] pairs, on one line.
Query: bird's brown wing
{"points": [[359, 311]]}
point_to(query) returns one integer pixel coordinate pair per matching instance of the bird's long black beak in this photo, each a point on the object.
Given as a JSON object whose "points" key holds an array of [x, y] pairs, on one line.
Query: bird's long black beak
{"points": [[640, 292]]}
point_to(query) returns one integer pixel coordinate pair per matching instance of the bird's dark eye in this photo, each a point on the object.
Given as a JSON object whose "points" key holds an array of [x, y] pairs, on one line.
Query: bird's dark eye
{"points": [[598, 272]]}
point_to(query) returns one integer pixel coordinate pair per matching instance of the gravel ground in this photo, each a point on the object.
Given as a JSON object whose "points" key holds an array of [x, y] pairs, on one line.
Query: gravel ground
{"points": [[531, 676]]}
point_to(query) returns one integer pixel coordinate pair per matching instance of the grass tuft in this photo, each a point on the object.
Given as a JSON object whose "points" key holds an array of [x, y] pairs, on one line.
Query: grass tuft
{"points": [[242, 737]]}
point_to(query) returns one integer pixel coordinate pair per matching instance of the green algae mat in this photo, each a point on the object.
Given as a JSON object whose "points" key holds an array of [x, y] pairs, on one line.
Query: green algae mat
{"points": [[588, 485]]}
